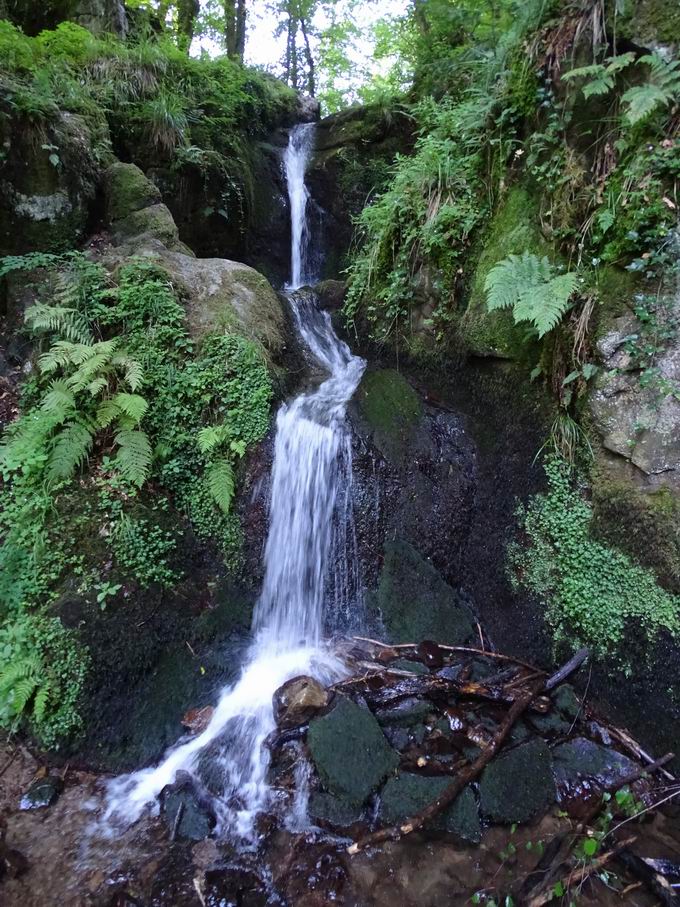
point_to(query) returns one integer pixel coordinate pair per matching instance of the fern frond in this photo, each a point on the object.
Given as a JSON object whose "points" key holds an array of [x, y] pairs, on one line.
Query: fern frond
{"points": [[58, 402], [211, 437], [132, 370], [134, 456], [71, 447], [660, 90], [220, 478], [508, 279], [132, 405], [41, 701], [545, 304], [63, 321], [22, 692]]}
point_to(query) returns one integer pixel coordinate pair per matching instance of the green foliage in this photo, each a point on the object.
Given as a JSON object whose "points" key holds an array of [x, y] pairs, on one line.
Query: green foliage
{"points": [[530, 286], [592, 593], [122, 396]]}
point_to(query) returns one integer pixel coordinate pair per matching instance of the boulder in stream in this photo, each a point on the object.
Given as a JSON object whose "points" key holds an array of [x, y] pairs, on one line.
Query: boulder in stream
{"points": [[350, 751], [408, 794], [187, 809], [298, 700], [42, 793], [518, 785]]}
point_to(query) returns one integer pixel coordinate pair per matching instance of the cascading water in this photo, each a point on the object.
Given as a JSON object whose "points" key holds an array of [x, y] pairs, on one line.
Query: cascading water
{"points": [[310, 518]]}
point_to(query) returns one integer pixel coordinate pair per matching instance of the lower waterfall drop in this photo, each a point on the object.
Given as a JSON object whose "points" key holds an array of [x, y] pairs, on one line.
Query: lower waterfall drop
{"points": [[311, 469]]}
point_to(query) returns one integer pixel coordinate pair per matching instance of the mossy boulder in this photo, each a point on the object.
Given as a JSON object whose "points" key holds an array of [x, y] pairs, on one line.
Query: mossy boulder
{"points": [[407, 794], [127, 190], [514, 229], [518, 785], [390, 409], [415, 603], [350, 752]]}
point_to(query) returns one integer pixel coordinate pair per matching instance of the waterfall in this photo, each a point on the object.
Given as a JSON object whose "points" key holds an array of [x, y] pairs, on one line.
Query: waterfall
{"points": [[310, 519]]}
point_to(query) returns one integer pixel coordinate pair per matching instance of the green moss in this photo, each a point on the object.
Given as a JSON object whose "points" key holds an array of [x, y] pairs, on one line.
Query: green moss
{"points": [[595, 595], [156, 221], [518, 785], [391, 409], [128, 190], [616, 290], [513, 229], [655, 21], [644, 524]]}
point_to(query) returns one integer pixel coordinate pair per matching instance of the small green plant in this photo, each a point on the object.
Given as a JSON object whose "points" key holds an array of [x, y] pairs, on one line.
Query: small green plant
{"points": [[105, 591]]}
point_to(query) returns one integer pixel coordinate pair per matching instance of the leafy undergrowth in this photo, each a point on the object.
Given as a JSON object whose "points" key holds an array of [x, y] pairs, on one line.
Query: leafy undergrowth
{"points": [[123, 409], [592, 593]]}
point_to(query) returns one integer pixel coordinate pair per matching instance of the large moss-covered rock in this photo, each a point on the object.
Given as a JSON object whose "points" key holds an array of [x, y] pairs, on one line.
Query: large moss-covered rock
{"points": [[350, 752], [391, 410], [407, 794], [518, 785], [514, 229], [650, 22], [415, 603], [98, 16], [127, 190]]}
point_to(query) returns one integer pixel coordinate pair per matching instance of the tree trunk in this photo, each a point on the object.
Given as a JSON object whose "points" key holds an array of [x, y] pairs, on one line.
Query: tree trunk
{"points": [[240, 30], [230, 26], [187, 10], [291, 52], [311, 80]]}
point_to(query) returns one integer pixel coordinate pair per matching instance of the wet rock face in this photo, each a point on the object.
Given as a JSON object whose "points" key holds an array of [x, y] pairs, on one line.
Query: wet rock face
{"points": [[186, 809], [350, 752], [414, 486], [42, 793]]}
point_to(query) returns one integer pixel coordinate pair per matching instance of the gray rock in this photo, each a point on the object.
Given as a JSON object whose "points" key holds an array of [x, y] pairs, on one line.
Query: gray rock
{"points": [[42, 793], [350, 752], [518, 785], [186, 809], [405, 713], [332, 810], [581, 759]]}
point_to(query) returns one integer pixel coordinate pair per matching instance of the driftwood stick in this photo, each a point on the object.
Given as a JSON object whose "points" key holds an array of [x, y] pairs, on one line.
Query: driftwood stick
{"points": [[449, 794], [463, 650], [634, 747], [654, 881], [572, 665], [578, 876]]}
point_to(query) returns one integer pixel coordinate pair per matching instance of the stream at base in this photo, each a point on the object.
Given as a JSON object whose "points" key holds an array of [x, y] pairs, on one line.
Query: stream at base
{"points": [[304, 586]]}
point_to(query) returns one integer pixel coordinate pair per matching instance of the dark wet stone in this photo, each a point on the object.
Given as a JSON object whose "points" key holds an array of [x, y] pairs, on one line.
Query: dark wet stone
{"points": [[42, 793], [298, 700], [405, 713], [415, 602], [332, 810], [12, 863], [350, 751], [233, 887], [581, 759], [566, 701], [398, 737], [197, 817], [405, 664], [518, 784], [407, 794], [551, 725], [430, 654]]}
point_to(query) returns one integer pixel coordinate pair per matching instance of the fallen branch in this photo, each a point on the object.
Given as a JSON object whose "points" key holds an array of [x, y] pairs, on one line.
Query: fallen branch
{"points": [[463, 650], [566, 670], [654, 881], [578, 876], [633, 747], [449, 794]]}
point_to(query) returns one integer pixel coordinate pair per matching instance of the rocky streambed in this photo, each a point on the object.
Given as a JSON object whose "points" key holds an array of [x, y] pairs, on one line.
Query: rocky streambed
{"points": [[548, 799]]}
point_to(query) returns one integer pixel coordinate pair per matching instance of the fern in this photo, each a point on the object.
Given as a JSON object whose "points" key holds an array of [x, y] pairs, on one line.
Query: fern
{"points": [[601, 75], [529, 285], [19, 682], [67, 322], [132, 370], [212, 437], [134, 456], [128, 407], [220, 478], [661, 89], [41, 701], [71, 447]]}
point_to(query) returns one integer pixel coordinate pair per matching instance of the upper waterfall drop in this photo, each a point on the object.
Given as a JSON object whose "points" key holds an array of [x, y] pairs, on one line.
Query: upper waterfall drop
{"points": [[296, 158], [309, 556]]}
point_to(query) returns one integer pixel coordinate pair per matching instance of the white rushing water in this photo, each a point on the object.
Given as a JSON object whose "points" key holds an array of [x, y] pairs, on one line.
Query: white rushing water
{"points": [[310, 522]]}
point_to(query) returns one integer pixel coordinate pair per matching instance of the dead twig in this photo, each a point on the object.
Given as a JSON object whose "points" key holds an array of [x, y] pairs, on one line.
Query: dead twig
{"points": [[578, 876], [566, 670], [394, 832]]}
